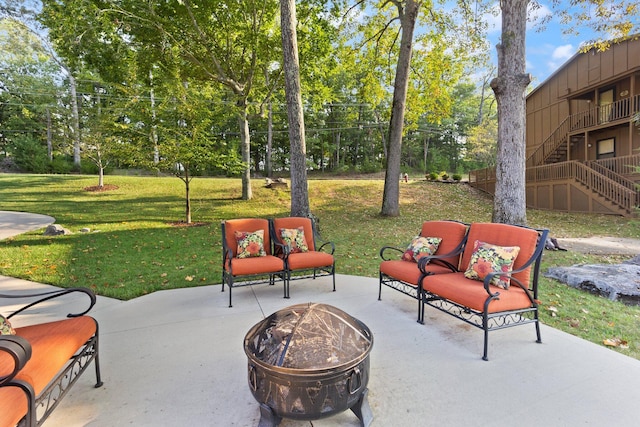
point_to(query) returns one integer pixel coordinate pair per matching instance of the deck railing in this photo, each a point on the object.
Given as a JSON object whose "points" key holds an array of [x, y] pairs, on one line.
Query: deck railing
{"points": [[609, 189]]}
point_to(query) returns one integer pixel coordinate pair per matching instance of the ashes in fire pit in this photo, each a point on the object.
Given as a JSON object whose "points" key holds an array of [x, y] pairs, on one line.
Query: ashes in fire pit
{"points": [[309, 361]]}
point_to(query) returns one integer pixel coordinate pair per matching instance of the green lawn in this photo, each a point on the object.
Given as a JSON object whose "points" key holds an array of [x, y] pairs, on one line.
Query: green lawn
{"points": [[135, 248]]}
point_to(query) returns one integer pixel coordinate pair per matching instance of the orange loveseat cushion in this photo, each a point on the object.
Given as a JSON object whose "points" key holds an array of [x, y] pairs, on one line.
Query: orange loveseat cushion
{"points": [[503, 235], [408, 271], [471, 293], [256, 265], [302, 260], [52, 345], [451, 233]]}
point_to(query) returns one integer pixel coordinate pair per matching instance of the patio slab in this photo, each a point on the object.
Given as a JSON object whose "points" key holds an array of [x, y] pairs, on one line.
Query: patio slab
{"points": [[176, 358]]}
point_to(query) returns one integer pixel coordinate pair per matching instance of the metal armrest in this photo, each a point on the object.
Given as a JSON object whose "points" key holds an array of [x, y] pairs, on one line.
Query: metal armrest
{"points": [[330, 244], [390, 248], [46, 296], [20, 351]]}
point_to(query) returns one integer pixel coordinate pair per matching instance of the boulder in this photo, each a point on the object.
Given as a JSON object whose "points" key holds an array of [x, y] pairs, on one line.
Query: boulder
{"points": [[56, 230], [618, 282]]}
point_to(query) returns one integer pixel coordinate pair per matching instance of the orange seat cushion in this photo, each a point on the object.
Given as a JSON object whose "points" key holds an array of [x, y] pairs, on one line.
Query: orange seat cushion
{"points": [[258, 265], [303, 260], [471, 293], [408, 271], [52, 345]]}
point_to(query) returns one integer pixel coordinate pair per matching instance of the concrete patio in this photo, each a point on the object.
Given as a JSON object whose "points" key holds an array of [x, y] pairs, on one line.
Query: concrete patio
{"points": [[175, 358]]}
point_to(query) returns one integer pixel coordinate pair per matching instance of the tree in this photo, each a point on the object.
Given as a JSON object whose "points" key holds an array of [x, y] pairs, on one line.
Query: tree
{"points": [[408, 14], [227, 43], [509, 202], [299, 193]]}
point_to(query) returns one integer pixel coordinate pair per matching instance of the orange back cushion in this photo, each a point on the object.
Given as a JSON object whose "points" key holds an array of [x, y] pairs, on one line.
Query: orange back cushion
{"points": [[450, 232], [503, 235], [249, 224], [295, 222]]}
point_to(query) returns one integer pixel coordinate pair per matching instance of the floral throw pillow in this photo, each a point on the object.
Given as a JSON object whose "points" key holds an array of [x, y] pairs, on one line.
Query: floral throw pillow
{"points": [[487, 258], [294, 238], [250, 244], [5, 326], [420, 247]]}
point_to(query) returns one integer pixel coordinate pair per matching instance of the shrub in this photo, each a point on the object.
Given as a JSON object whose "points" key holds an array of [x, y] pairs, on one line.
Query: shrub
{"points": [[444, 176], [30, 155], [433, 176], [61, 165], [457, 177]]}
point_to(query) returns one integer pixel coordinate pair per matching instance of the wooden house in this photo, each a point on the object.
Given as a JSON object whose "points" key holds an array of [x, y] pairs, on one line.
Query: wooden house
{"points": [[583, 142]]}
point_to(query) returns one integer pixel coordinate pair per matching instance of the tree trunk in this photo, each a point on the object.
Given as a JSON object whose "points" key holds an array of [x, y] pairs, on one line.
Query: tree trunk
{"points": [[187, 195], [245, 143], [391, 195], [49, 143], [510, 204], [100, 175], [154, 126], [267, 158], [299, 191], [75, 121]]}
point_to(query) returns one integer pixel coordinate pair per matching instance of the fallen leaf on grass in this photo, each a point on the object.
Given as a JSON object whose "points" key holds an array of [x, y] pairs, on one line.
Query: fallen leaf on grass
{"points": [[615, 342], [553, 310], [189, 278]]}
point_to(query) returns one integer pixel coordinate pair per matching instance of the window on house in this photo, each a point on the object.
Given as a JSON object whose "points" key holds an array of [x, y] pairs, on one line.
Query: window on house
{"points": [[606, 148]]}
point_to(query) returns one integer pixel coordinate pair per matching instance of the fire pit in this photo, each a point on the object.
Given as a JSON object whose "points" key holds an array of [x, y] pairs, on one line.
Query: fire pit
{"points": [[309, 361]]}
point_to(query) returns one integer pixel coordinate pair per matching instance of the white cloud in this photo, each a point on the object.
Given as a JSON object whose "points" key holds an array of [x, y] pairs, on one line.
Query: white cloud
{"points": [[560, 55], [564, 52]]}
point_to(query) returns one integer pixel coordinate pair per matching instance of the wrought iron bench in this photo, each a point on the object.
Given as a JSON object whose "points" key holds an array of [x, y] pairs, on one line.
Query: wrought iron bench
{"points": [[503, 297], [40, 362], [402, 273]]}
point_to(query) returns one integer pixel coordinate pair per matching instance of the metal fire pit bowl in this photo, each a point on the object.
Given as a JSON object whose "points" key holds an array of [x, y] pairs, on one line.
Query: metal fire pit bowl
{"points": [[309, 361]]}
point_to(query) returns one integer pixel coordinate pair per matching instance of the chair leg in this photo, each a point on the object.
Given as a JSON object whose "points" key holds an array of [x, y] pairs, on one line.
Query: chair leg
{"points": [[485, 326], [96, 363]]}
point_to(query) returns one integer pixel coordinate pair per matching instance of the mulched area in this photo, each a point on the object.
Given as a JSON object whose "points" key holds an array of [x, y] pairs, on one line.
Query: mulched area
{"points": [[185, 224], [96, 188]]}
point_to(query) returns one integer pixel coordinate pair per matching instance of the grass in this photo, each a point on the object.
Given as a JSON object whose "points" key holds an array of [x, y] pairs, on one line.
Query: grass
{"points": [[134, 248]]}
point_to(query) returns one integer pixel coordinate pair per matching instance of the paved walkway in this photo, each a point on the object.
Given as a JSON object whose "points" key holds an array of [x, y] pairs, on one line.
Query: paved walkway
{"points": [[12, 223], [175, 358]]}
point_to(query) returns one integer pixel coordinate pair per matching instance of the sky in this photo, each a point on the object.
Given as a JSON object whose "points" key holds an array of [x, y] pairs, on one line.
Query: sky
{"points": [[546, 50]]}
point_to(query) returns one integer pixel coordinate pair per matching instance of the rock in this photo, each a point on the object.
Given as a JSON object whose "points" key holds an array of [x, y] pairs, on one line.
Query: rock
{"points": [[85, 230], [55, 230], [618, 282]]}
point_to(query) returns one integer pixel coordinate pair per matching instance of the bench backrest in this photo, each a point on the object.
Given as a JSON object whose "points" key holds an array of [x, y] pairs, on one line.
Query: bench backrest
{"points": [[452, 234], [229, 227], [295, 222], [504, 235]]}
